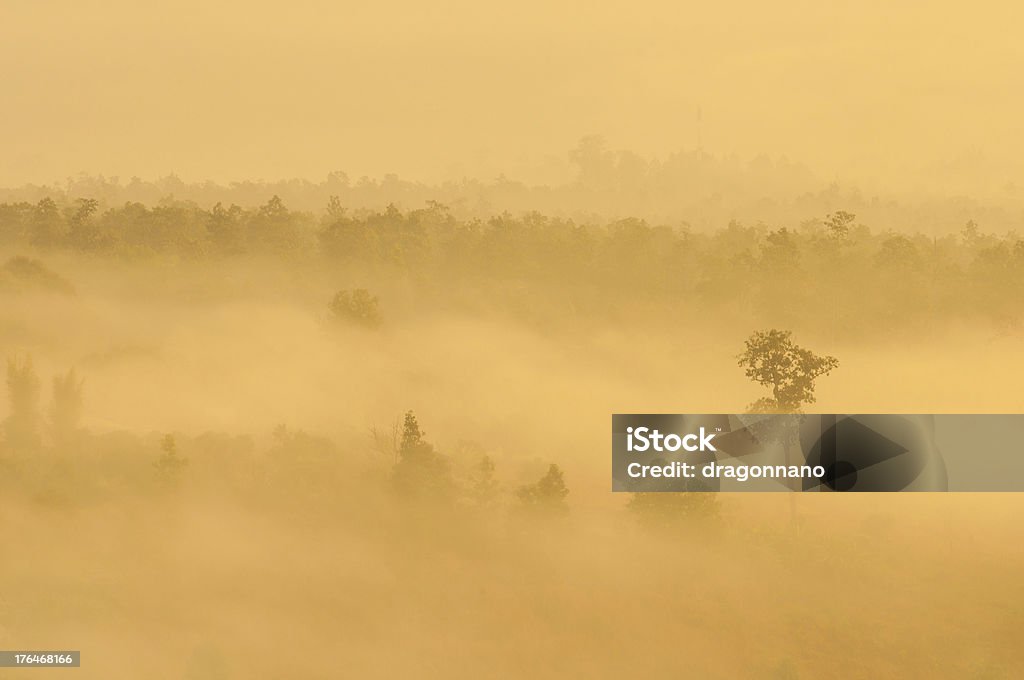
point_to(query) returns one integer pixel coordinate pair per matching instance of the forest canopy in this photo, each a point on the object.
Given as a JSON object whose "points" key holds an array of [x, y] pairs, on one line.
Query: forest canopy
{"points": [[827, 271]]}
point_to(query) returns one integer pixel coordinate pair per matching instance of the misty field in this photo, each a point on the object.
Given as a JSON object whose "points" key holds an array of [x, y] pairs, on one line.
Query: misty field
{"points": [[223, 458], [314, 316]]}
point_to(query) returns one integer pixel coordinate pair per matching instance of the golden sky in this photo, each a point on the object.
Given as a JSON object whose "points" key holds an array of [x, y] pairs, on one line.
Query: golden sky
{"points": [[873, 91]]}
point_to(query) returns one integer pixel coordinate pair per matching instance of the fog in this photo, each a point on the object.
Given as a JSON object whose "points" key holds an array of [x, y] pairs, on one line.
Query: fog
{"points": [[314, 316], [918, 96], [286, 545]]}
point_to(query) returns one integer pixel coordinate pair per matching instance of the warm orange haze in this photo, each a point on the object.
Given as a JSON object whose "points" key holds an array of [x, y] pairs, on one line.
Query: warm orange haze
{"points": [[911, 96], [273, 411]]}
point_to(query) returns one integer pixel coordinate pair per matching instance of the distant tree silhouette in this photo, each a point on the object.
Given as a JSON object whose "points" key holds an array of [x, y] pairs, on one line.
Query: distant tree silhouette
{"points": [[546, 495], [170, 465], [33, 274], [412, 436], [897, 253], [66, 412], [971, 234], [356, 306], [421, 472], [838, 224], [22, 425], [83, 231], [274, 228], [336, 210], [226, 229], [780, 254], [781, 266], [484, 484], [348, 239], [48, 227]]}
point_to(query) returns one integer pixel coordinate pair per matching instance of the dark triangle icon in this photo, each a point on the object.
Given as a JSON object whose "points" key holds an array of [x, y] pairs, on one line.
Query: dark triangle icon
{"points": [[856, 457]]}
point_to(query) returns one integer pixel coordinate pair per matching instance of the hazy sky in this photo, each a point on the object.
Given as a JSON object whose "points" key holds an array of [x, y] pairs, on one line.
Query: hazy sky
{"points": [[232, 90]]}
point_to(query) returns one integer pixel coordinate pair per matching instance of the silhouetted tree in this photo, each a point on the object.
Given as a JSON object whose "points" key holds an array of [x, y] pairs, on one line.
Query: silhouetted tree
{"points": [[48, 226], [226, 229], [274, 227], [971, 234], [421, 472], [485, 485], [22, 425], [348, 239], [31, 273], [773, 360], [412, 436], [780, 254], [546, 495], [170, 465], [357, 306], [66, 412], [838, 224], [897, 253], [83, 232]]}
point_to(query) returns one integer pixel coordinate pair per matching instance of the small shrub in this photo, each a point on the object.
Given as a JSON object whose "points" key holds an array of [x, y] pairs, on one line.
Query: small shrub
{"points": [[354, 307]]}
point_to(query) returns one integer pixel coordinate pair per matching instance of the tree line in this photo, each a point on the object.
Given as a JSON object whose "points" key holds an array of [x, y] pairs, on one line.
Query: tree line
{"points": [[831, 269], [417, 472], [296, 462]]}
